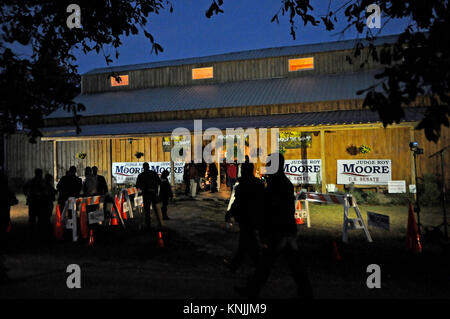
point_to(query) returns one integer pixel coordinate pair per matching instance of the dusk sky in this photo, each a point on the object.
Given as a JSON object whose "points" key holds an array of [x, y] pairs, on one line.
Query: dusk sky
{"points": [[244, 25]]}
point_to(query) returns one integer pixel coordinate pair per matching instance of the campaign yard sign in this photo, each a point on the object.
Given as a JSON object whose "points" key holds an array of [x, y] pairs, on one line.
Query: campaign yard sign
{"points": [[127, 172], [304, 171], [395, 187], [378, 220], [364, 172]]}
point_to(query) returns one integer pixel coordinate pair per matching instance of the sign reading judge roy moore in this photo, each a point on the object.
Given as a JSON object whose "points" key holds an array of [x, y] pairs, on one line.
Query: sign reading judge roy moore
{"points": [[364, 172]]}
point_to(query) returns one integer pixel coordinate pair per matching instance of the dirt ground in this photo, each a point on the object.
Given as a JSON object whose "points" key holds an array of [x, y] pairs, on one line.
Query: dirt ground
{"points": [[126, 263]]}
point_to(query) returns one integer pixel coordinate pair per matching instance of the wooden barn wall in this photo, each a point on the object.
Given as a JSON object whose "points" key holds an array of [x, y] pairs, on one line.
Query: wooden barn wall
{"points": [[390, 143], [433, 165], [251, 69], [97, 152], [23, 157]]}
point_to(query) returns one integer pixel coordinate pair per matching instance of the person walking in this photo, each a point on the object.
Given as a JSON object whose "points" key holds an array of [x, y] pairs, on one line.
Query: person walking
{"points": [[193, 178], [7, 199], [186, 179], [213, 175], [148, 181], [36, 191], [165, 193], [232, 174], [48, 205], [245, 211], [278, 232]]}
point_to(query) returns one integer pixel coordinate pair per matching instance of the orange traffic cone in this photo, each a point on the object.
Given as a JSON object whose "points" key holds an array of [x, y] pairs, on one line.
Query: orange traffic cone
{"points": [[58, 232], [336, 255], [91, 238], [114, 221], [123, 213], [299, 205], [160, 241], [84, 222], [412, 233]]}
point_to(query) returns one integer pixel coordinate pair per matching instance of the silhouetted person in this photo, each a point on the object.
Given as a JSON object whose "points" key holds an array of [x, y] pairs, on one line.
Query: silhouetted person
{"points": [[7, 199], [148, 182], [186, 179], [245, 210], [279, 234], [102, 186], [90, 183], [165, 193], [213, 175], [232, 174], [202, 167], [193, 179], [48, 203], [36, 192], [68, 186]]}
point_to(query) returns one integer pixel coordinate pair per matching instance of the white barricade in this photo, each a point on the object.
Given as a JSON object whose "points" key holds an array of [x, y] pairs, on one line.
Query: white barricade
{"points": [[347, 201]]}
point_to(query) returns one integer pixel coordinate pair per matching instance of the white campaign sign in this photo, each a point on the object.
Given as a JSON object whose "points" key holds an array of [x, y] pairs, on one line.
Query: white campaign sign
{"points": [[307, 171], [364, 172], [396, 187], [127, 172]]}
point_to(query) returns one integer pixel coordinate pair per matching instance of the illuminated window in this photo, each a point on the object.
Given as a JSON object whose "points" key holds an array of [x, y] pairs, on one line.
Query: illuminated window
{"points": [[123, 80], [202, 73], [301, 64]]}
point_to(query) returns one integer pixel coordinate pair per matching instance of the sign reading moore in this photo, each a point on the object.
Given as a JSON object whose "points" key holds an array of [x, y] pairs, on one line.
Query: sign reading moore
{"points": [[364, 171], [127, 172], [307, 171]]}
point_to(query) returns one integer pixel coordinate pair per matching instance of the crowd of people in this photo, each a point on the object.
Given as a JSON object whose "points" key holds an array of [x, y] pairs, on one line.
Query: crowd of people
{"points": [[202, 177], [263, 210], [265, 214]]}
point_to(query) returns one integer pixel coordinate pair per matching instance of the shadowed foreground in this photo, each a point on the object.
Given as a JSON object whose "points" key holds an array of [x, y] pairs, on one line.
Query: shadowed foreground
{"points": [[128, 263]]}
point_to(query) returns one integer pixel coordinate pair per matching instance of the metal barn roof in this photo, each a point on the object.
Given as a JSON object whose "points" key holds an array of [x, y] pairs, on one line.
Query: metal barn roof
{"points": [[250, 54], [325, 87], [265, 121]]}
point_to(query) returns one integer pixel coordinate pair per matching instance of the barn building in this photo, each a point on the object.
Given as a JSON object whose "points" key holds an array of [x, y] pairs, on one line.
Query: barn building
{"points": [[307, 92]]}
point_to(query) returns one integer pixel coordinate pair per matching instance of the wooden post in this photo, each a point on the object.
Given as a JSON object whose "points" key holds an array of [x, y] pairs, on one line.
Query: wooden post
{"points": [[110, 178], [412, 162], [55, 163], [218, 152], [172, 169], [323, 160]]}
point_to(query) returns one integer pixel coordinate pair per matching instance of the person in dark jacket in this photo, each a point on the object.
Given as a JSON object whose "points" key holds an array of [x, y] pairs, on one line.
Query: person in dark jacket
{"points": [[278, 232], [7, 199], [213, 172], [102, 186], [36, 191], [48, 203], [186, 179], [165, 193], [245, 210], [68, 186], [148, 182]]}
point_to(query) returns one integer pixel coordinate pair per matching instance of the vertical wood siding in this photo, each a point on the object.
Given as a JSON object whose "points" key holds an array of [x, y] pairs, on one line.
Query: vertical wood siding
{"points": [[390, 143]]}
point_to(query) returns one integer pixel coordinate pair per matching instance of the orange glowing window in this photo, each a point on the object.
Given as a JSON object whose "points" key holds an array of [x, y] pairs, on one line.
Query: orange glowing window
{"points": [[123, 80], [202, 73], [301, 64]]}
